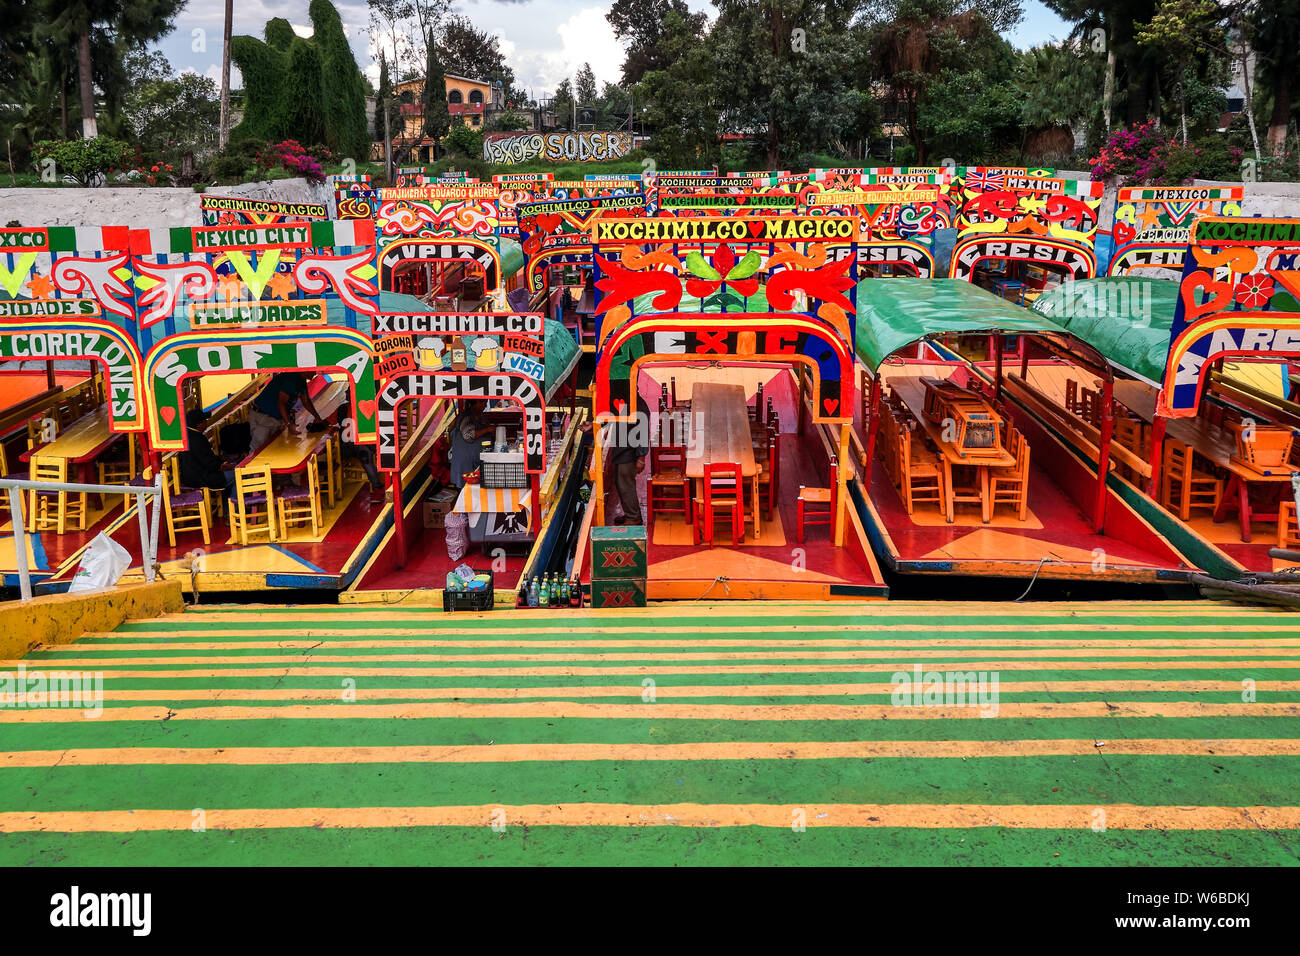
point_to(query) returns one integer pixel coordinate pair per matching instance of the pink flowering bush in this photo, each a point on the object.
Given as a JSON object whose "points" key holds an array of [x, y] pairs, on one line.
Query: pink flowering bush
{"points": [[290, 156]]}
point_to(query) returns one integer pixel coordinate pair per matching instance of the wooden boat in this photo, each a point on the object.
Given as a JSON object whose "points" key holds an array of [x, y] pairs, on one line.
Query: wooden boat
{"points": [[954, 475]]}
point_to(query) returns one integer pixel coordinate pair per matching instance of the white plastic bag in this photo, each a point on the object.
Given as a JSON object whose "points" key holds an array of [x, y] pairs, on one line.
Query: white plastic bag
{"points": [[104, 562], [456, 525]]}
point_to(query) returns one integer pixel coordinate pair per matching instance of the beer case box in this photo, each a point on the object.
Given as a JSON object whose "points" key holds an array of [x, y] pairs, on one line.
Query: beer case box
{"points": [[618, 551], [617, 592], [435, 512]]}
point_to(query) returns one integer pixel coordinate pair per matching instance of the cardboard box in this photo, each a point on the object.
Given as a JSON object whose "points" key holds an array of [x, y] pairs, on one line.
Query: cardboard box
{"points": [[435, 512], [617, 592], [618, 551]]}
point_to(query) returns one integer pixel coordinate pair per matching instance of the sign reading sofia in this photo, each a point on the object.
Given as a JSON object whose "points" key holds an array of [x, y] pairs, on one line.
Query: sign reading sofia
{"points": [[1239, 296]]}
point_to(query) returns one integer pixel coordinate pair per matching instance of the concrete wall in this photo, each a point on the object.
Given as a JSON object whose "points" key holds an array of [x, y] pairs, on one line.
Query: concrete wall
{"points": [[138, 207], [62, 618]]}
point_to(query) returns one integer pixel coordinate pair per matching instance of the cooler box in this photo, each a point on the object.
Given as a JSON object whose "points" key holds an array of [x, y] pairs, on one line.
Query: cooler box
{"points": [[618, 551], [617, 592]]}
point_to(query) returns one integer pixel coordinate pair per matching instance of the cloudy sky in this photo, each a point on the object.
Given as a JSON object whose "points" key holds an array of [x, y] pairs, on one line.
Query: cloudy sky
{"points": [[543, 40]]}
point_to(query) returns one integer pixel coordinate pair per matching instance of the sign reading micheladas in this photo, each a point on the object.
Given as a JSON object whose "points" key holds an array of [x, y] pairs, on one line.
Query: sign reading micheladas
{"points": [[255, 314], [727, 229]]}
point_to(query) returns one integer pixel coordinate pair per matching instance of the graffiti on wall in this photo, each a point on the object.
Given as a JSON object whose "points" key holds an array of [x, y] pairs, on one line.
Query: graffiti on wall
{"points": [[584, 147]]}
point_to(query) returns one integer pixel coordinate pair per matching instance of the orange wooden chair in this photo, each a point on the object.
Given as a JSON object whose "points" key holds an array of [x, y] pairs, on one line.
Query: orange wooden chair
{"points": [[1010, 485], [1288, 528], [669, 489], [1263, 446], [722, 487], [920, 473], [1072, 395], [1182, 485], [816, 506]]}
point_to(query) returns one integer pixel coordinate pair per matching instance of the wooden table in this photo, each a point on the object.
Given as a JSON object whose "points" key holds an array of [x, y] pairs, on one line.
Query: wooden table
{"points": [[287, 453], [912, 391], [1217, 445], [722, 417], [81, 442]]}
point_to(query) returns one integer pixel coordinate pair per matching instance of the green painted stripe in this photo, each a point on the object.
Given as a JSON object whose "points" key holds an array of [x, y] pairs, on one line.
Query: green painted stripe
{"points": [[656, 846], [1039, 780], [339, 732]]}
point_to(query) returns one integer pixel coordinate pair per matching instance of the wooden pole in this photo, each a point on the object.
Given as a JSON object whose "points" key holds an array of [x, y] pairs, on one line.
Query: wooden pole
{"points": [[1024, 358], [1103, 454], [997, 368], [598, 475], [1157, 452], [842, 480], [872, 426]]}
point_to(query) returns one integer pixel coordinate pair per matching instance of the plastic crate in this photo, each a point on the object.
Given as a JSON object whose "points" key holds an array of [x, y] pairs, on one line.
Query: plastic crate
{"points": [[502, 470], [470, 600]]}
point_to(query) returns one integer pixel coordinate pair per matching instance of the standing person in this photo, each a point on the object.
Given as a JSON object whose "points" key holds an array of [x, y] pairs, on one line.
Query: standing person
{"points": [[467, 433], [273, 407], [627, 455], [200, 467]]}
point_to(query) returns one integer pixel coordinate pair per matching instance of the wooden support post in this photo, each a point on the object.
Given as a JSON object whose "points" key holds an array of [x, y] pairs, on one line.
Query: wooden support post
{"points": [[535, 483], [1103, 453], [997, 369], [399, 522], [842, 492], [597, 475], [1157, 452], [798, 397], [872, 425], [1024, 358]]}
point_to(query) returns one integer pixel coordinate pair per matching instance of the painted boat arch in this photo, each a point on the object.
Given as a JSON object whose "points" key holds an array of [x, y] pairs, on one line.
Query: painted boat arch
{"points": [[483, 255], [897, 253], [194, 353], [1077, 261], [777, 338], [22, 339], [1153, 224]]}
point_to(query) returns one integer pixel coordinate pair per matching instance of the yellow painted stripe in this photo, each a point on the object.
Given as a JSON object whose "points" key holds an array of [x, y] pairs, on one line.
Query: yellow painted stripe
{"points": [[659, 711], [657, 670], [756, 626], [664, 690], [756, 655], [574, 643], [931, 816], [755, 750]]}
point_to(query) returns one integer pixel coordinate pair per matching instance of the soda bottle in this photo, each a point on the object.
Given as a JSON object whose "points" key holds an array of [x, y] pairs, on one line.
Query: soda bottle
{"points": [[532, 591], [564, 592], [544, 595]]}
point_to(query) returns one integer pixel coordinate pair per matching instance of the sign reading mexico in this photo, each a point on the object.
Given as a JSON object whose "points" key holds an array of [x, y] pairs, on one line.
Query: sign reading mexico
{"points": [[1239, 296], [491, 355], [1154, 223]]}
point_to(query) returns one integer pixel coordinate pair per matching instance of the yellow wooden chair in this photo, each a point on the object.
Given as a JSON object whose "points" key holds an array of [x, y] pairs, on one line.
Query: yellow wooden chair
{"points": [[187, 509], [121, 467], [331, 479], [252, 508], [41, 430], [55, 510], [300, 504]]}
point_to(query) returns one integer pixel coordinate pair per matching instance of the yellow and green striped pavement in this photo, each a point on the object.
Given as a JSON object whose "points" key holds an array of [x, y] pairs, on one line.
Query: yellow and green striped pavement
{"points": [[1125, 733]]}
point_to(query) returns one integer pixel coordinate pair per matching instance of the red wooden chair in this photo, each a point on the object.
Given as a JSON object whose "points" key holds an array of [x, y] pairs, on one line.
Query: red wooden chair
{"points": [[668, 489], [722, 487], [816, 506], [767, 474]]}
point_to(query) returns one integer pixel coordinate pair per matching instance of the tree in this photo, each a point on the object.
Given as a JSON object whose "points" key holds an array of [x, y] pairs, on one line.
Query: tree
{"points": [[1057, 85], [471, 52], [680, 106], [1276, 36], [1183, 31], [99, 31], [437, 117], [563, 104], [584, 86], [223, 135], [169, 115], [642, 27], [304, 89]]}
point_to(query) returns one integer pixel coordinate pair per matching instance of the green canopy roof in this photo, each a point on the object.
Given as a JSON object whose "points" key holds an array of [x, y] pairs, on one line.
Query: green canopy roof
{"points": [[512, 258], [894, 313], [1125, 318], [561, 355]]}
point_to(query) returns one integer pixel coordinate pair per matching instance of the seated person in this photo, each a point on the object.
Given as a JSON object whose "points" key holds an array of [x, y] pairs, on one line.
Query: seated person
{"points": [[200, 466], [467, 433], [273, 407]]}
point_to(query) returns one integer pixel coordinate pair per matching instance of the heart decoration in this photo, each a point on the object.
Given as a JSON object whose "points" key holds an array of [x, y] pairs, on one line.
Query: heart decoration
{"points": [[830, 404], [167, 414], [368, 407], [755, 228]]}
